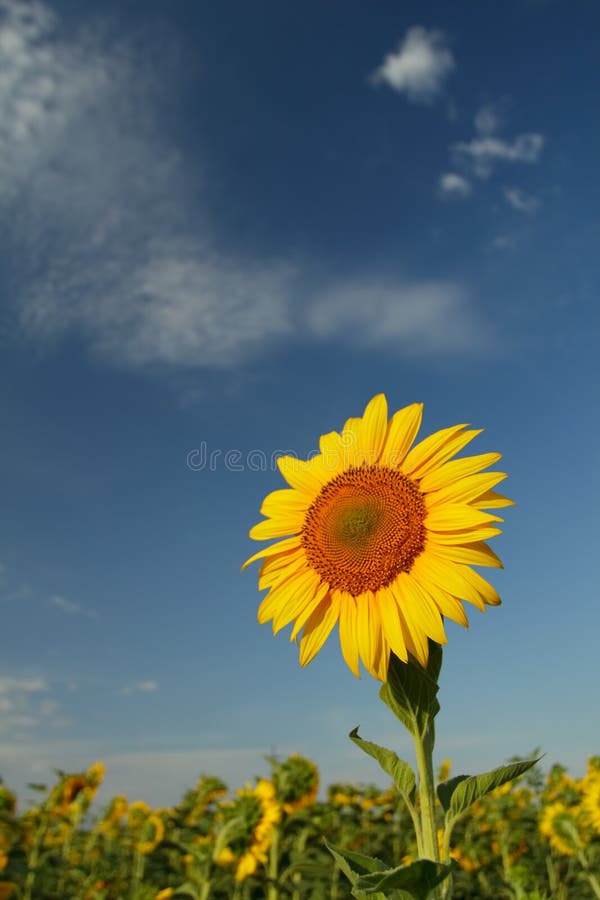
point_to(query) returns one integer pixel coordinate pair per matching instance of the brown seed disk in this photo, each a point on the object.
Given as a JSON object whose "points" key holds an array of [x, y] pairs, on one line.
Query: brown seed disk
{"points": [[364, 528]]}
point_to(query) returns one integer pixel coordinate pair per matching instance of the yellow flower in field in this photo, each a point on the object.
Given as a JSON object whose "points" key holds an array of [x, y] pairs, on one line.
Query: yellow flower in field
{"points": [[379, 538], [296, 781], [57, 835], [444, 770], [95, 774], [115, 811], [558, 825], [138, 813], [164, 894], [225, 857], [246, 866], [466, 863], [260, 812], [151, 834], [590, 803]]}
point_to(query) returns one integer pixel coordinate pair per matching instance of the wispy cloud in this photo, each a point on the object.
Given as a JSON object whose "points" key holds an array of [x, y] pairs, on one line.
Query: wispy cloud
{"points": [[419, 67], [25, 704], [10, 684], [419, 317], [489, 119], [481, 154], [132, 265], [140, 687], [82, 145], [70, 607], [454, 185], [503, 242], [521, 200]]}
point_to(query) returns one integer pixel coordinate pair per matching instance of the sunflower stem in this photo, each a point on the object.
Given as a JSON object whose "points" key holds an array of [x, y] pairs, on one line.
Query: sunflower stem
{"points": [[273, 870], [424, 751]]}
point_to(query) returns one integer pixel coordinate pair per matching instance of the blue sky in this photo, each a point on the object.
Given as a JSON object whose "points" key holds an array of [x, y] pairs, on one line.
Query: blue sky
{"points": [[224, 228]]}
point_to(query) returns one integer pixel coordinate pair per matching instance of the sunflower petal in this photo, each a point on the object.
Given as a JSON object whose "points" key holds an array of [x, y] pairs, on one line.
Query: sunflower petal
{"points": [[318, 628], [466, 490], [492, 500], [348, 631], [284, 502], [390, 621], [426, 448], [468, 536], [457, 469], [282, 526], [300, 475], [476, 554], [436, 572], [456, 516], [313, 589], [273, 549], [367, 626], [374, 428], [402, 430], [489, 593]]}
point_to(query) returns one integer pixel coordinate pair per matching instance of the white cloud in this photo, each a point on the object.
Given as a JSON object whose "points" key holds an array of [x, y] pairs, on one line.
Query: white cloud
{"points": [[132, 265], [413, 318], [22, 684], [69, 606], [481, 154], [520, 200], [21, 706], [503, 242], [81, 145], [419, 67], [488, 119], [454, 185], [140, 687]]}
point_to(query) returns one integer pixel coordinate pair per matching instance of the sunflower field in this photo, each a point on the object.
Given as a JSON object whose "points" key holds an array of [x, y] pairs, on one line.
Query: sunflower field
{"points": [[535, 838]]}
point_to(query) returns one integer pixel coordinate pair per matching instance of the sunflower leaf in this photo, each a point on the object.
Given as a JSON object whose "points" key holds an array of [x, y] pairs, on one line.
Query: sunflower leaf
{"points": [[411, 690], [354, 864], [468, 789], [416, 880], [400, 771], [445, 790]]}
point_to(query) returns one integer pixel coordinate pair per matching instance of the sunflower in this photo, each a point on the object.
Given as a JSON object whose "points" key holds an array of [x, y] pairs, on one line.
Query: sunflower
{"points": [[296, 782], [558, 824], [379, 538], [259, 812], [591, 802]]}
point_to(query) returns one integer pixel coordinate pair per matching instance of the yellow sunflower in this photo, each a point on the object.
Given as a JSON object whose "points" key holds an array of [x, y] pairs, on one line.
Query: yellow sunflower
{"points": [[379, 538]]}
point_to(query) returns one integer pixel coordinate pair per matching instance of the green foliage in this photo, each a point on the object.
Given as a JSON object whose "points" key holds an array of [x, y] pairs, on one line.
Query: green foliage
{"points": [[415, 880], [458, 794], [358, 844], [411, 691], [399, 771]]}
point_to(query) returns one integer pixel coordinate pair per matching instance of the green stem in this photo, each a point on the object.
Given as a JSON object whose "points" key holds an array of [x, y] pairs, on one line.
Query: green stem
{"points": [[424, 752], [594, 884], [273, 870], [34, 855], [139, 864]]}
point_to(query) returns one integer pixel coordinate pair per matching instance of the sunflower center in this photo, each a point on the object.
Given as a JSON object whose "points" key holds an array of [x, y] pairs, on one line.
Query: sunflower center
{"points": [[364, 528]]}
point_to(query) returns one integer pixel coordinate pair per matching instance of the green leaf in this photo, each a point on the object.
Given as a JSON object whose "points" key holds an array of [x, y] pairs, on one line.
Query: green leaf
{"points": [[472, 787], [187, 890], [416, 880], [355, 864], [411, 691], [400, 771], [445, 789]]}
